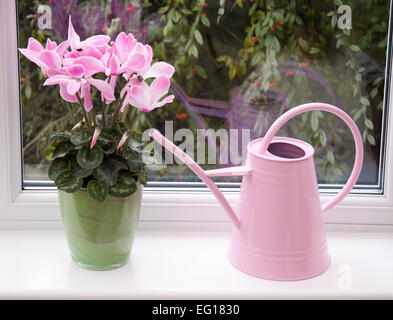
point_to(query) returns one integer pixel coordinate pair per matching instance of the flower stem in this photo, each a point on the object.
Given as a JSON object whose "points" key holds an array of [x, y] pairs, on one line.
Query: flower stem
{"points": [[103, 114], [86, 114], [118, 107], [117, 110], [71, 112], [104, 108]]}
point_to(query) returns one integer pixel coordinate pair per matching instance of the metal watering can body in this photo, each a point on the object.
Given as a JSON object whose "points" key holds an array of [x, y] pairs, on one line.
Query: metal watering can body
{"points": [[278, 229]]}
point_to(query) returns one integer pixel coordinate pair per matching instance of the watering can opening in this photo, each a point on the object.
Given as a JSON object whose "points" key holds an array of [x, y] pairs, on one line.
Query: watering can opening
{"points": [[282, 149], [286, 150]]}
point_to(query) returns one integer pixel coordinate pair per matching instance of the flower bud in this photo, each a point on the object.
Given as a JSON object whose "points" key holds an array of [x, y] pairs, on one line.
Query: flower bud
{"points": [[97, 132], [123, 140]]}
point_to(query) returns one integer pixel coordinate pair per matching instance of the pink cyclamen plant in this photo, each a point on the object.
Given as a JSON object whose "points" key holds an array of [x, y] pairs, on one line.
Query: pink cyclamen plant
{"points": [[84, 156], [73, 63]]}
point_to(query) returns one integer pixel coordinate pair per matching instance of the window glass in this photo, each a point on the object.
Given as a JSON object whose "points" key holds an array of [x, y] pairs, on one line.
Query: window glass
{"points": [[239, 65]]}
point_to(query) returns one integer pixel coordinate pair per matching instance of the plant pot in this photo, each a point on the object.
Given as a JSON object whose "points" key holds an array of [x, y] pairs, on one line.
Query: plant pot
{"points": [[100, 235]]}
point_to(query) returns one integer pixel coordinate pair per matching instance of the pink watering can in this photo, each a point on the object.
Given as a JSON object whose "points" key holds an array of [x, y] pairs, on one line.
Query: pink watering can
{"points": [[278, 231]]}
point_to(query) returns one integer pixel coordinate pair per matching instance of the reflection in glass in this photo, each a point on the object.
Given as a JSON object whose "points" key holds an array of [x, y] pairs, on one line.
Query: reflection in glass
{"points": [[238, 66]]}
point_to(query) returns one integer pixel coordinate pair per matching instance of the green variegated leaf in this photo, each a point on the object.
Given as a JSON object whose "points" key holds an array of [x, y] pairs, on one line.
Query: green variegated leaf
{"points": [[58, 166], [125, 185], [50, 150], [123, 127], [68, 183], [90, 158], [61, 149], [81, 137], [109, 169], [60, 136], [98, 190], [142, 176], [109, 139], [77, 171]]}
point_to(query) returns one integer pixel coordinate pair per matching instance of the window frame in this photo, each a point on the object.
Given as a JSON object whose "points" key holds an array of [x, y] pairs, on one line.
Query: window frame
{"points": [[160, 205]]}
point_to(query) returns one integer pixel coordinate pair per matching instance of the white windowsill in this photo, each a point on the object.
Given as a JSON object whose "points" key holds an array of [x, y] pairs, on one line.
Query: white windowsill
{"points": [[185, 265]]}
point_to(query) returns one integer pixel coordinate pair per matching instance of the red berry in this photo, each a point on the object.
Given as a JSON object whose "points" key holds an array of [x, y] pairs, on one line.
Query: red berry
{"points": [[273, 84]]}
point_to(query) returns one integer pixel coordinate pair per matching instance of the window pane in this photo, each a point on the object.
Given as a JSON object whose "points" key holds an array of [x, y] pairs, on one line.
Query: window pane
{"points": [[238, 66]]}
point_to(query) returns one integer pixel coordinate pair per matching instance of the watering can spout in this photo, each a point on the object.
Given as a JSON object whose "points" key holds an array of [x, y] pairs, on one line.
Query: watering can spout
{"points": [[204, 175]]}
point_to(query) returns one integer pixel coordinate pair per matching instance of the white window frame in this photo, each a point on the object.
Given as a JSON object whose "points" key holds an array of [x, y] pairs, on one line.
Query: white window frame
{"points": [[160, 207]]}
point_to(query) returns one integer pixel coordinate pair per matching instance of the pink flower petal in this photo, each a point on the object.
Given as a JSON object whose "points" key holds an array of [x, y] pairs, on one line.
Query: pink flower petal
{"points": [[34, 45], [51, 59], [73, 37], [139, 97], [95, 41], [87, 98], [107, 55], [73, 86], [91, 65], [58, 79], [112, 83], [158, 88], [91, 52], [168, 99], [65, 95], [134, 63], [114, 65], [104, 87], [76, 70], [123, 45], [50, 45], [160, 69], [62, 48], [32, 56]]}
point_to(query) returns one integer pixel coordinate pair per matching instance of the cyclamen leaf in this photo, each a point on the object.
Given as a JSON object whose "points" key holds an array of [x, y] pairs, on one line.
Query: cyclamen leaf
{"points": [[109, 169], [60, 136], [61, 149], [81, 137], [90, 158], [98, 190], [77, 171], [142, 176], [58, 166], [68, 183], [109, 139], [50, 150], [125, 186]]}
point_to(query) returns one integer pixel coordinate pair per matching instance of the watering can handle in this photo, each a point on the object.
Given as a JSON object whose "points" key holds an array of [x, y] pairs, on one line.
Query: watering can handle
{"points": [[350, 123], [156, 135]]}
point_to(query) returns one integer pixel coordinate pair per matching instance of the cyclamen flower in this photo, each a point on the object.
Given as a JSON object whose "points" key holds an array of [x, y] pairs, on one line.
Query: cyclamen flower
{"points": [[147, 98], [48, 59], [73, 70], [94, 46], [78, 78]]}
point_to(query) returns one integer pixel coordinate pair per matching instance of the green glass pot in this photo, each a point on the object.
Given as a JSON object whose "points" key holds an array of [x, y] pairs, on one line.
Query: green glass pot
{"points": [[100, 235]]}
